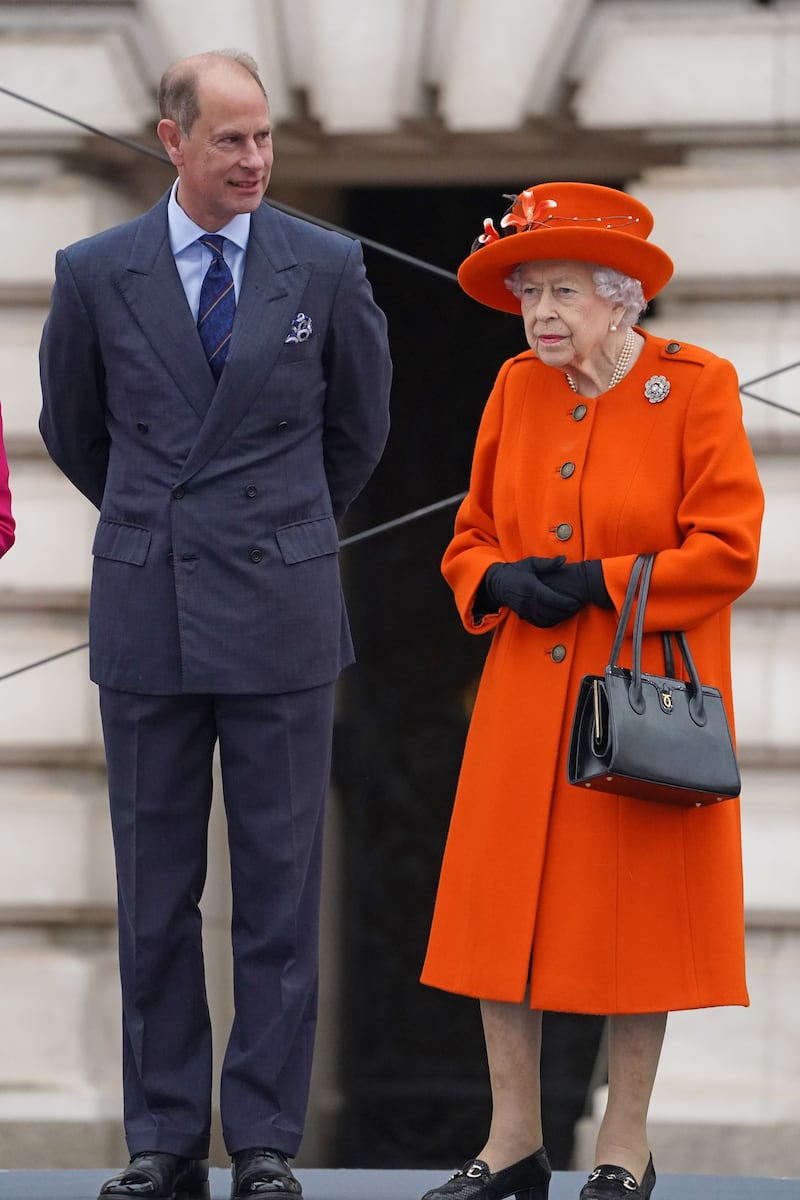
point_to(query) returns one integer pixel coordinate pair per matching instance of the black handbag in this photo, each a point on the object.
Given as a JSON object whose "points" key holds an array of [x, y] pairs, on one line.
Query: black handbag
{"points": [[653, 737]]}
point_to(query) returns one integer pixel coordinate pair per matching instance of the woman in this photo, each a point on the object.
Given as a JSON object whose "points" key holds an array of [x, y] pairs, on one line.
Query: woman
{"points": [[599, 443]]}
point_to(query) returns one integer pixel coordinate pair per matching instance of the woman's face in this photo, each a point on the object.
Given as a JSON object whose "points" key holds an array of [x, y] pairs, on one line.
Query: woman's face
{"points": [[566, 322]]}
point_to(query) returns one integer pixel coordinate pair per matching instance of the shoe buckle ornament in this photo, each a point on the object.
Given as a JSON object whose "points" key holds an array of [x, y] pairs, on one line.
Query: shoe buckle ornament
{"points": [[474, 1172], [626, 1179]]}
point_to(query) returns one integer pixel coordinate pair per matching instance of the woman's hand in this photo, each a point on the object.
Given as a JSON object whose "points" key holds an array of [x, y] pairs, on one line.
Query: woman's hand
{"points": [[582, 582], [520, 586]]}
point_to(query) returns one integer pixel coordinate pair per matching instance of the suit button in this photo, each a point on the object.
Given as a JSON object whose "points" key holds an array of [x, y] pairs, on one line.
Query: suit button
{"points": [[256, 556], [672, 347], [178, 492], [564, 531], [170, 558], [250, 491], [567, 469], [140, 425], [558, 653], [579, 412], [282, 426]]}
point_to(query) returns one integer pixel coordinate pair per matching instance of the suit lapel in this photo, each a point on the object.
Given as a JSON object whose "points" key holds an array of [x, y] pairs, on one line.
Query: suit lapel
{"points": [[153, 291], [272, 289]]}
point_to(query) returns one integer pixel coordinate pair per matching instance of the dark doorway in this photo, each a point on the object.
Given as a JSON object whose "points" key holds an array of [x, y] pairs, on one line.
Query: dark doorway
{"points": [[413, 1060]]}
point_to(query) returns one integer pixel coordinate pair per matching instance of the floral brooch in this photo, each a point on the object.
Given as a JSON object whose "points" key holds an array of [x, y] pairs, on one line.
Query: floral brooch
{"points": [[657, 388]]}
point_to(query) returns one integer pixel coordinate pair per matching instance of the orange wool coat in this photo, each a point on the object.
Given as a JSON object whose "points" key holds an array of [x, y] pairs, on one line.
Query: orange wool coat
{"points": [[606, 904]]}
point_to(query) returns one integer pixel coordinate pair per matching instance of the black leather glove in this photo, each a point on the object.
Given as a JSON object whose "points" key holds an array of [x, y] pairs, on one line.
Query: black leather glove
{"points": [[521, 587], [582, 582]]}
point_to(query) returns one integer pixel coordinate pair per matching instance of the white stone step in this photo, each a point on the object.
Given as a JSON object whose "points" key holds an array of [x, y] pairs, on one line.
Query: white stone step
{"points": [[51, 706], [55, 528], [757, 338], [48, 213], [766, 662], [20, 331], [56, 857], [58, 1015]]}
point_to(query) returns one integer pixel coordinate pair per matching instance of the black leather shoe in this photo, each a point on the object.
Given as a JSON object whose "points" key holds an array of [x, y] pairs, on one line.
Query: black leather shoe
{"points": [[263, 1173], [156, 1175], [615, 1183], [528, 1179]]}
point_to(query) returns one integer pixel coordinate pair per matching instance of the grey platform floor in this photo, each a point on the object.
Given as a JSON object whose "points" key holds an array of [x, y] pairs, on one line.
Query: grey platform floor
{"points": [[397, 1185]]}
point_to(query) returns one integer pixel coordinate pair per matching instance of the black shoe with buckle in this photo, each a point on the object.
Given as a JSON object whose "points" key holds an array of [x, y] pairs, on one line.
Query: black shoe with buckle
{"points": [[528, 1179], [156, 1175], [615, 1183], [263, 1173]]}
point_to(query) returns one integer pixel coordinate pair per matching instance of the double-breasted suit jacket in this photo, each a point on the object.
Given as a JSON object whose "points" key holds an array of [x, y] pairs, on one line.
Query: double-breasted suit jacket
{"points": [[215, 557]]}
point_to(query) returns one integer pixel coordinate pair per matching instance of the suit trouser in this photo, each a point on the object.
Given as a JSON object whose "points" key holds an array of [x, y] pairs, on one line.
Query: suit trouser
{"points": [[275, 763]]}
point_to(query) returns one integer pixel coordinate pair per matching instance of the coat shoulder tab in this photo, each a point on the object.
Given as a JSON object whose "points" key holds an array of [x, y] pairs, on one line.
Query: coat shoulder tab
{"points": [[673, 350]]}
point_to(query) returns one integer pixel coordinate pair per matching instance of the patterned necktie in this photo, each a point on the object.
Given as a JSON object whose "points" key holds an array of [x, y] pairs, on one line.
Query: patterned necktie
{"points": [[217, 305]]}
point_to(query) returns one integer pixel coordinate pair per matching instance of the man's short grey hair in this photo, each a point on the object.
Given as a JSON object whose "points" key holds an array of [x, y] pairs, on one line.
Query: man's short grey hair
{"points": [[177, 92], [610, 284]]}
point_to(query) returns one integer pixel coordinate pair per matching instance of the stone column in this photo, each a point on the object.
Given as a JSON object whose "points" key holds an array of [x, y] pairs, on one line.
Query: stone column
{"points": [[59, 1023], [728, 1090]]}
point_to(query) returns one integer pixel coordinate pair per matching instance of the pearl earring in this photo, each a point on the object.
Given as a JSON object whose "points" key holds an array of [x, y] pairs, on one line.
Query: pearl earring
{"points": [[613, 328]]}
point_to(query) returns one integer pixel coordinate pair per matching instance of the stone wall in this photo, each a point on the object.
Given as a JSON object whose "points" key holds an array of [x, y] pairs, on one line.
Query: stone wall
{"points": [[695, 106]]}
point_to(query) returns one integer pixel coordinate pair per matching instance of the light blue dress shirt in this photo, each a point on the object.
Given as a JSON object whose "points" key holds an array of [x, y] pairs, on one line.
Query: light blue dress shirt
{"points": [[193, 260]]}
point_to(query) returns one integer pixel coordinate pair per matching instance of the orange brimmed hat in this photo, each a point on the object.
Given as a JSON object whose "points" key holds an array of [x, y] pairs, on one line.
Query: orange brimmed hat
{"points": [[576, 222]]}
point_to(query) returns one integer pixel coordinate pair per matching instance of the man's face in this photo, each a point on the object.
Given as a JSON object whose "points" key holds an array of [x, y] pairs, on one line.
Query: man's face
{"points": [[225, 162]]}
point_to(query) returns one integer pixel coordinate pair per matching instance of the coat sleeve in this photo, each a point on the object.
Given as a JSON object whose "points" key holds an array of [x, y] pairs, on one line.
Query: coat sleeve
{"points": [[72, 421], [359, 374], [719, 513], [475, 545], [7, 526]]}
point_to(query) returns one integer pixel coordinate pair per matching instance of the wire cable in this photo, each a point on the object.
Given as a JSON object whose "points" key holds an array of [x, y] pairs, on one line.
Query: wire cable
{"points": [[351, 540], [160, 156], [745, 391], [409, 259]]}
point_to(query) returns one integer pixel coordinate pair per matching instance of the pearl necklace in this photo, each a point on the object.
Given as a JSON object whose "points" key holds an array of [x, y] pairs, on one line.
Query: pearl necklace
{"points": [[623, 362]]}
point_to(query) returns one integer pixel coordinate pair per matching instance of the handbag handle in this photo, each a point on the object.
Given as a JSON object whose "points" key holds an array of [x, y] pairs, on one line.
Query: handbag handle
{"points": [[639, 581], [625, 611]]}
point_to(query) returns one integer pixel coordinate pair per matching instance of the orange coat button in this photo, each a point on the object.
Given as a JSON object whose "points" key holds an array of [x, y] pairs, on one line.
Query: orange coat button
{"points": [[564, 531], [579, 412], [558, 653], [567, 469]]}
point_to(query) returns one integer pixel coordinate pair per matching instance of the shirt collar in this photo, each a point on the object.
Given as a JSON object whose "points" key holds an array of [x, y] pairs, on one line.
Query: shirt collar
{"points": [[183, 231]]}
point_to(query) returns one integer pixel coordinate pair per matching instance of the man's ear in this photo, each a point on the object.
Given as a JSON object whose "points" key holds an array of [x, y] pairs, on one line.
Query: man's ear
{"points": [[171, 138]]}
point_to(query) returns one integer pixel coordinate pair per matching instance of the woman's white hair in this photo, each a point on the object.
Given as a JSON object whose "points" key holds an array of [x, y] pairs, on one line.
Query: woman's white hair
{"points": [[610, 284]]}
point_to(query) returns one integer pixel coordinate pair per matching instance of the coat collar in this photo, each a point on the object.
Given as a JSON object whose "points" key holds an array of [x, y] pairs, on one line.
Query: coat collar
{"points": [[153, 291]]}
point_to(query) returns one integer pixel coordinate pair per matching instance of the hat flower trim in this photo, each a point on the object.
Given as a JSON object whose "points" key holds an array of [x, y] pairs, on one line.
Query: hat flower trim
{"points": [[526, 213], [532, 212], [489, 234]]}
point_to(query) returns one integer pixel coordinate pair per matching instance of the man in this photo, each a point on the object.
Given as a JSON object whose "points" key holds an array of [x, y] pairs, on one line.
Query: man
{"points": [[220, 453]]}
